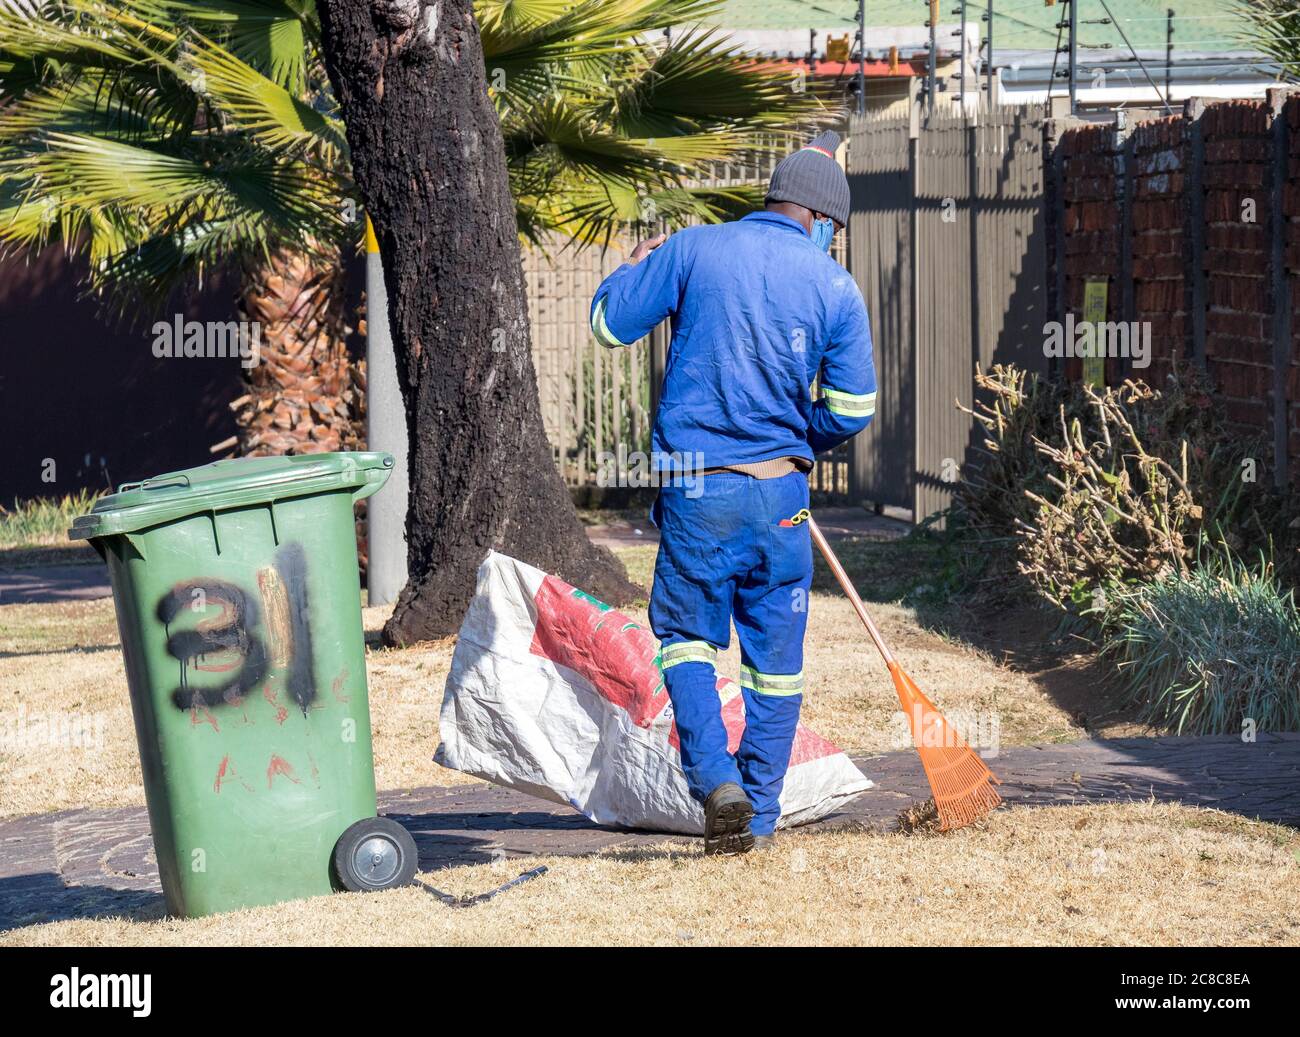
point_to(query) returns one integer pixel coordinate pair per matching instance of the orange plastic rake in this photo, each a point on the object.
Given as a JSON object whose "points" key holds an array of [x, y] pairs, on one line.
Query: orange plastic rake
{"points": [[961, 783]]}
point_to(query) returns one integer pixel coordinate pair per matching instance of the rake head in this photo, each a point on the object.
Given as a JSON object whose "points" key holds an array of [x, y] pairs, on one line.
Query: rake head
{"points": [[962, 784]]}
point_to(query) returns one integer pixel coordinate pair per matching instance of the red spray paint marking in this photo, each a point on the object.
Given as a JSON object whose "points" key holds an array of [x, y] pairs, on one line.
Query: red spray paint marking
{"points": [[279, 765], [337, 686], [620, 663], [208, 718], [271, 696], [222, 771]]}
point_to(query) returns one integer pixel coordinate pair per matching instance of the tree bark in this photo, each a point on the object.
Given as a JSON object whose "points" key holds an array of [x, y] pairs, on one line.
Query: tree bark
{"points": [[429, 162], [301, 397]]}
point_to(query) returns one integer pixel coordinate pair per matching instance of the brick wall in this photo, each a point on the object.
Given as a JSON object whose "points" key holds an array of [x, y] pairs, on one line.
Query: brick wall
{"points": [[1238, 244], [1139, 208], [1092, 216], [1291, 210], [1159, 239]]}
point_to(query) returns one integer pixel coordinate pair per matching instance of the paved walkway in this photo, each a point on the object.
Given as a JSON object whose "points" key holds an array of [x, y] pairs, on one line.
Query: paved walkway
{"points": [[44, 584], [83, 863]]}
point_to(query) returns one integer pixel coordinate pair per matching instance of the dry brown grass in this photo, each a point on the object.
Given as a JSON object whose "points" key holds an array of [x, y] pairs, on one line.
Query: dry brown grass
{"points": [[1132, 874], [1114, 875], [62, 659]]}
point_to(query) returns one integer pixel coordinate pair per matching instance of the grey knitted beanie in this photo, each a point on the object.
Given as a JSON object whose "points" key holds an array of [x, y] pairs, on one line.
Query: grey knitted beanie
{"points": [[812, 178]]}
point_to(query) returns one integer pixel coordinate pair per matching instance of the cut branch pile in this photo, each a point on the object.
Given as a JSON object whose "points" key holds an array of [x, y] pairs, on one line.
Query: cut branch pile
{"points": [[1118, 513]]}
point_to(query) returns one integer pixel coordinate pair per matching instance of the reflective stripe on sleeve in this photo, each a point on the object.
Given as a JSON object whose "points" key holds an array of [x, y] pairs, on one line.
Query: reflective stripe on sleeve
{"points": [[601, 330], [848, 404]]}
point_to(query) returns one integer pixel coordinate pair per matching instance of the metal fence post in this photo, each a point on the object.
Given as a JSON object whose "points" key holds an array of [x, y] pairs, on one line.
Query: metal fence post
{"points": [[1195, 148], [1281, 282], [914, 180], [1128, 155], [1053, 133]]}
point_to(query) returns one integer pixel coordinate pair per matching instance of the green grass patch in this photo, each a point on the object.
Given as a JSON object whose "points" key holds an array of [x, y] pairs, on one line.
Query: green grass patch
{"points": [[1209, 651], [42, 521]]}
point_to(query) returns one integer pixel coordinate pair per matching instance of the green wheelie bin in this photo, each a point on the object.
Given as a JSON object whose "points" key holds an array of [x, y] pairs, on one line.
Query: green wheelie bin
{"points": [[239, 609]]}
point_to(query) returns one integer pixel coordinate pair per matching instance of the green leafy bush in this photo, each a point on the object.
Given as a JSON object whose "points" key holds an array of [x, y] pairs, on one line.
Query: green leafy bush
{"points": [[1204, 650]]}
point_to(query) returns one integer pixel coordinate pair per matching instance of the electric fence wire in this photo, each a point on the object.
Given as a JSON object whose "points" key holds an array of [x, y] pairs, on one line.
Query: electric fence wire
{"points": [[1163, 100], [1056, 57]]}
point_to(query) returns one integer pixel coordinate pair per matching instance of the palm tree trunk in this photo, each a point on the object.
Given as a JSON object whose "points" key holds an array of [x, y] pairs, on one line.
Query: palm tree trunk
{"points": [[304, 396], [429, 161]]}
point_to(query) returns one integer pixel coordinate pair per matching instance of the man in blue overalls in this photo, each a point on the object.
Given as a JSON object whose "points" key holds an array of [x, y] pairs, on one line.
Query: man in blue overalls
{"points": [[759, 311]]}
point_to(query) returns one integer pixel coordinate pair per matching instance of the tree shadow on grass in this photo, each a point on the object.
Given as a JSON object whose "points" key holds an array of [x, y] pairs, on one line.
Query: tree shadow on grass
{"points": [[40, 898], [27, 557]]}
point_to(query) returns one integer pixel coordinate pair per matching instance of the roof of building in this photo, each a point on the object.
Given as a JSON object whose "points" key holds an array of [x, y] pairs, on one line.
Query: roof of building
{"points": [[1200, 26]]}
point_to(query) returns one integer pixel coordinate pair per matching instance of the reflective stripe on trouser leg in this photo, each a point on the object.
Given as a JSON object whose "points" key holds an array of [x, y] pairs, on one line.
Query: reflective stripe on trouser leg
{"points": [[692, 685], [687, 652], [771, 683]]}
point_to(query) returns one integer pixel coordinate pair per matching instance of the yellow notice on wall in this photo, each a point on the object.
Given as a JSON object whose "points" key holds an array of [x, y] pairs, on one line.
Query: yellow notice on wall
{"points": [[1096, 293]]}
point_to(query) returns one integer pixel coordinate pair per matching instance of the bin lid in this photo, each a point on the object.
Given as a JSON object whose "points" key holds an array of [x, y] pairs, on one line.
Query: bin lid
{"points": [[222, 485]]}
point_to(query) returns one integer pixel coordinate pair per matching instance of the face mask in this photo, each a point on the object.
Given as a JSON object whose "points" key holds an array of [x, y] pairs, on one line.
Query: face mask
{"points": [[822, 232]]}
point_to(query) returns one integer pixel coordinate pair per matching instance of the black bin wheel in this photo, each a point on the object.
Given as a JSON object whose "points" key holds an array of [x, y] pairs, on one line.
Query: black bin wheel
{"points": [[374, 853]]}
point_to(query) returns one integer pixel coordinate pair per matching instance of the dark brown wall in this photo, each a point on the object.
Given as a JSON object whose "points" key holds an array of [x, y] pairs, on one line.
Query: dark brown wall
{"points": [[89, 393]]}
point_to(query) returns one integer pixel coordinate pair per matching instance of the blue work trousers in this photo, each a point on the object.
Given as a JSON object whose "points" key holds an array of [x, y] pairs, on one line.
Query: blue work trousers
{"points": [[734, 548]]}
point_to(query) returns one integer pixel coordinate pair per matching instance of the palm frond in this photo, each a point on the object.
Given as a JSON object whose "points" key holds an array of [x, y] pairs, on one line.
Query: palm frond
{"points": [[1273, 26], [701, 82], [115, 106], [279, 38], [521, 36], [264, 109], [99, 171], [59, 43]]}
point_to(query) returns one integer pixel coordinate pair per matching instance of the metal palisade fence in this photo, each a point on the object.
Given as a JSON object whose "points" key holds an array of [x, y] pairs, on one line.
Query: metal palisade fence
{"points": [[596, 400], [593, 399], [947, 243]]}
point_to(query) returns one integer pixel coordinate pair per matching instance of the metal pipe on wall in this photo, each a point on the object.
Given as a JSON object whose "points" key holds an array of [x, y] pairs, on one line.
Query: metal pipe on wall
{"points": [[386, 431]]}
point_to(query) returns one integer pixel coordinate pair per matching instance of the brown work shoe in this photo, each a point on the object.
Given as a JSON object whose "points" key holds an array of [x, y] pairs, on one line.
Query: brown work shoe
{"points": [[764, 843], [726, 820]]}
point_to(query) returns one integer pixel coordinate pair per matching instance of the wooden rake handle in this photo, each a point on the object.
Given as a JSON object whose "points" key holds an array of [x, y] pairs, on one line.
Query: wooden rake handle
{"points": [[825, 548]]}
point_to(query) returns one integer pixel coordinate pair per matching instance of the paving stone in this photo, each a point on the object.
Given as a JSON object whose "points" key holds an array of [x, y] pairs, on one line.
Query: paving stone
{"points": [[86, 863]]}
